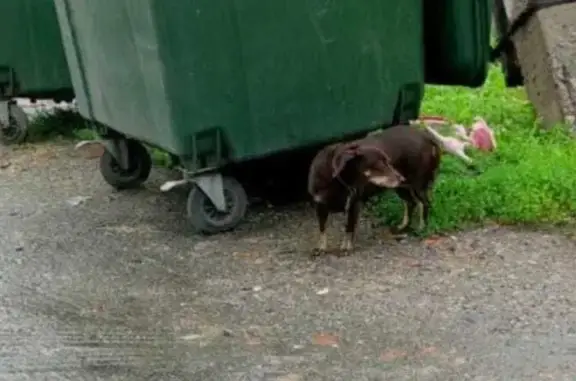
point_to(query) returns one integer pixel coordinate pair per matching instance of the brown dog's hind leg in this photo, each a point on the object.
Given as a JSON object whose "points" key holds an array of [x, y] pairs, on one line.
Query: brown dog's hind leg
{"points": [[322, 215], [423, 208], [352, 215], [423, 191], [409, 201]]}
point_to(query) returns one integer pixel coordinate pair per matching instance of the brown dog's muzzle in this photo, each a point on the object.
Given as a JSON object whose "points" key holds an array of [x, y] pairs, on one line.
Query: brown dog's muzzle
{"points": [[384, 180]]}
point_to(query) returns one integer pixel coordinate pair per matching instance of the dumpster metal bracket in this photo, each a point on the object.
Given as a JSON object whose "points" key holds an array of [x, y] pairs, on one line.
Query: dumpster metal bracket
{"points": [[119, 151], [117, 148], [5, 112], [210, 184], [7, 82]]}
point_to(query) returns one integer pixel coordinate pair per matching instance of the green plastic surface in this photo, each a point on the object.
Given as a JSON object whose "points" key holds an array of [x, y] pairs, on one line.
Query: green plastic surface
{"points": [[457, 37], [242, 79], [31, 52]]}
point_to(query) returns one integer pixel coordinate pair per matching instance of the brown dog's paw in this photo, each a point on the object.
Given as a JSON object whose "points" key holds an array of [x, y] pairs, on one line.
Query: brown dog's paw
{"points": [[399, 234], [400, 231], [317, 251], [322, 247], [347, 246]]}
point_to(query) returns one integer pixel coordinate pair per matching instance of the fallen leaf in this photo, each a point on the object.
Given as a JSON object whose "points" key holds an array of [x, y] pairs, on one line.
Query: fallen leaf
{"points": [[393, 355], [427, 351], [413, 263], [252, 338], [433, 240], [325, 339], [251, 256]]}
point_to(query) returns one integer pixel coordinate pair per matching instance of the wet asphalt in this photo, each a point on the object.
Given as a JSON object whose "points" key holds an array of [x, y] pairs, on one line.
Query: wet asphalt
{"points": [[101, 285]]}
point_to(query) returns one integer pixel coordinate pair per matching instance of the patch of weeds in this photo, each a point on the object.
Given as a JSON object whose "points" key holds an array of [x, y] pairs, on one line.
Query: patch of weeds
{"points": [[85, 134], [67, 124], [528, 180], [161, 158]]}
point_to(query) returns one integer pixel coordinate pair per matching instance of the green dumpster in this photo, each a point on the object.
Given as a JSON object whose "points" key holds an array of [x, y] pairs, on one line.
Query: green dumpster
{"points": [[221, 82], [32, 61], [457, 40]]}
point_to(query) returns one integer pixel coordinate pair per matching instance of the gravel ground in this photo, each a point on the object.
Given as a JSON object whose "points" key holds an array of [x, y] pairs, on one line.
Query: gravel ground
{"points": [[99, 285]]}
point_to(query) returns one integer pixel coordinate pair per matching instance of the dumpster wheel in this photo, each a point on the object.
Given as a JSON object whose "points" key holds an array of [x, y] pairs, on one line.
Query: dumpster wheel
{"points": [[17, 130], [204, 216], [120, 178]]}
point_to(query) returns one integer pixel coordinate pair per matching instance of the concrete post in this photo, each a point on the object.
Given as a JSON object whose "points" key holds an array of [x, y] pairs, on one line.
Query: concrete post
{"points": [[546, 48]]}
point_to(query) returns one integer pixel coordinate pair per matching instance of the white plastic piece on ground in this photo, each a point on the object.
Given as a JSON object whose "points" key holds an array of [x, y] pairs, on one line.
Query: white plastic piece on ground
{"points": [[90, 149], [85, 143], [77, 200], [169, 185]]}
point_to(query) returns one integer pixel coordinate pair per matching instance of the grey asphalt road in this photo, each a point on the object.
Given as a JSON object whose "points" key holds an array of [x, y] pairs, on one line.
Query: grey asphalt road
{"points": [[99, 285]]}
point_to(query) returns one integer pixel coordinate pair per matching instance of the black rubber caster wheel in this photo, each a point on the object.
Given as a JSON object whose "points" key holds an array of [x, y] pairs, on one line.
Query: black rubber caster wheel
{"points": [[140, 167], [204, 216], [17, 131]]}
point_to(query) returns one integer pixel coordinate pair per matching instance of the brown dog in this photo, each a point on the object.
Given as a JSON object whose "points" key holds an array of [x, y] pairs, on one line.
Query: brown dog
{"points": [[342, 176]]}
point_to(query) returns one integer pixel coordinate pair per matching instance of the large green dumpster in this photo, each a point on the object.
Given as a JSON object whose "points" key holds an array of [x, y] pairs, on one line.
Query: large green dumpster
{"points": [[219, 82], [457, 39], [32, 61]]}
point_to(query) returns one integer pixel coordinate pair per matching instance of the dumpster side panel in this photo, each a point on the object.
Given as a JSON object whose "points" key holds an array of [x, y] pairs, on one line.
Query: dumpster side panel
{"points": [[114, 60], [204, 71], [283, 74], [256, 77], [457, 38], [31, 47]]}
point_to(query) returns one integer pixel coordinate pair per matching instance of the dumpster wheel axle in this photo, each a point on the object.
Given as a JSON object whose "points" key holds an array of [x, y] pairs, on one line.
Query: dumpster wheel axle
{"points": [[13, 125], [206, 217]]}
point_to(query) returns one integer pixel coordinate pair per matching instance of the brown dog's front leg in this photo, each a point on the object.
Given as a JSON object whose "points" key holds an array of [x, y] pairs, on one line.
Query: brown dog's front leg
{"points": [[322, 215], [409, 201], [352, 215]]}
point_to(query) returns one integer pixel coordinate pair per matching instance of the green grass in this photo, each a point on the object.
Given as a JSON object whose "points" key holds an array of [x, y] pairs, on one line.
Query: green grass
{"points": [[529, 179]]}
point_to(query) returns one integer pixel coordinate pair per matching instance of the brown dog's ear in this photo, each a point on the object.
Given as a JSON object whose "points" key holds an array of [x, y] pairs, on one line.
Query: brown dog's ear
{"points": [[342, 157]]}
